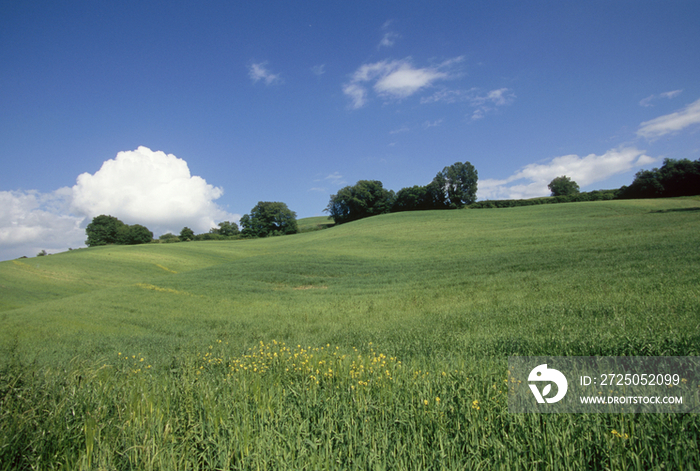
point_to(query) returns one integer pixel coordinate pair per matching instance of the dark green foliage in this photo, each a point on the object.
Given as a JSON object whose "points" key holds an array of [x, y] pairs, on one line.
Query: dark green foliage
{"points": [[103, 230], [186, 234], [210, 236], [414, 198], [268, 219], [136, 234], [452, 188], [674, 178], [226, 228], [169, 237], [366, 198], [597, 195], [459, 183], [563, 186]]}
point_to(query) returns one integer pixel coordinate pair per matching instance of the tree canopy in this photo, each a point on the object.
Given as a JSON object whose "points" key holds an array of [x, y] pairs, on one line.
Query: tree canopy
{"points": [[459, 183], [269, 218], [674, 178], [453, 187], [104, 230], [227, 228], [186, 234], [563, 186], [365, 198]]}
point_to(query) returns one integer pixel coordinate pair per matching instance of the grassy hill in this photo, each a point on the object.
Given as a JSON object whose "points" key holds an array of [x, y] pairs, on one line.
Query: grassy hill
{"points": [[445, 293]]}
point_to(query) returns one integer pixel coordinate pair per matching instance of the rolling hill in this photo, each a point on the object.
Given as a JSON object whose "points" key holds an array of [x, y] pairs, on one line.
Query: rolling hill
{"points": [[450, 294]]}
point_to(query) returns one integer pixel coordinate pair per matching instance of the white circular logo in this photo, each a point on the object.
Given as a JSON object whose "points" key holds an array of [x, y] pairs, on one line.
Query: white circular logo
{"points": [[550, 375]]}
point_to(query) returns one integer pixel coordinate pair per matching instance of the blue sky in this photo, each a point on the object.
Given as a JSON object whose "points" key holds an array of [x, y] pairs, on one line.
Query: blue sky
{"points": [[176, 113]]}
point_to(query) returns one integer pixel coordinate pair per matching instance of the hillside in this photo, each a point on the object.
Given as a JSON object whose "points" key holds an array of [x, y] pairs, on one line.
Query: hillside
{"points": [[579, 274], [377, 344]]}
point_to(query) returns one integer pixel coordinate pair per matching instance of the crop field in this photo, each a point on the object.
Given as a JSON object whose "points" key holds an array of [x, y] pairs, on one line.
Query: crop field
{"points": [[377, 344]]}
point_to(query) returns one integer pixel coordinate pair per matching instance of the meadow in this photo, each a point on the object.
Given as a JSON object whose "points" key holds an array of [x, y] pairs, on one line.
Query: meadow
{"points": [[377, 344]]}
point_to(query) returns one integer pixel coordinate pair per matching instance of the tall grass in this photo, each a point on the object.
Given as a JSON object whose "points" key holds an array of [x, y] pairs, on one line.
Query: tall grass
{"points": [[312, 408], [380, 344]]}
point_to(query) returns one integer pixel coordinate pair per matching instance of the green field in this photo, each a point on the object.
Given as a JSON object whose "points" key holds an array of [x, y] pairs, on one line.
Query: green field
{"points": [[378, 344]]}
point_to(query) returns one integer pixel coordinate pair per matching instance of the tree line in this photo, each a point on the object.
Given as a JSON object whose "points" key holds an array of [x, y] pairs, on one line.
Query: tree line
{"points": [[454, 187], [265, 219]]}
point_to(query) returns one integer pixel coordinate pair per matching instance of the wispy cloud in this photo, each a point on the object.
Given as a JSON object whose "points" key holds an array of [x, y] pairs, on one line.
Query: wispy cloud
{"points": [[671, 123], [400, 130], [259, 71], [482, 102], [335, 178], [532, 180], [388, 40], [432, 124], [389, 37], [395, 79], [648, 100], [319, 69]]}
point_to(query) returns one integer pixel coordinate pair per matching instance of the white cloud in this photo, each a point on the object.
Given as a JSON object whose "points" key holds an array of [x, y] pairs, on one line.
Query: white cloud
{"points": [[357, 93], [671, 123], [139, 187], [259, 71], [388, 40], [319, 69], [400, 130], [149, 188], [647, 101], [335, 178], [482, 103], [394, 79], [31, 221], [390, 37], [532, 180], [432, 124]]}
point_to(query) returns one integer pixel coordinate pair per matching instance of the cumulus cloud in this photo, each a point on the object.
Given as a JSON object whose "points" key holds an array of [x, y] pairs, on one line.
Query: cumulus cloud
{"points": [[150, 188], [648, 100], [31, 221], [394, 79], [139, 187], [671, 123], [259, 71], [532, 180]]}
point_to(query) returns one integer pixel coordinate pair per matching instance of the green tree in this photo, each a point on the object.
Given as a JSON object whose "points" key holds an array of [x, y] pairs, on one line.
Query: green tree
{"points": [[269, 218], [563, 186], [104, 230], [227, 228], [365, 198], [168, 237], [680, 177], [412, 198], [137, 234], [674, 178], [455, 186], [186, 234]]}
